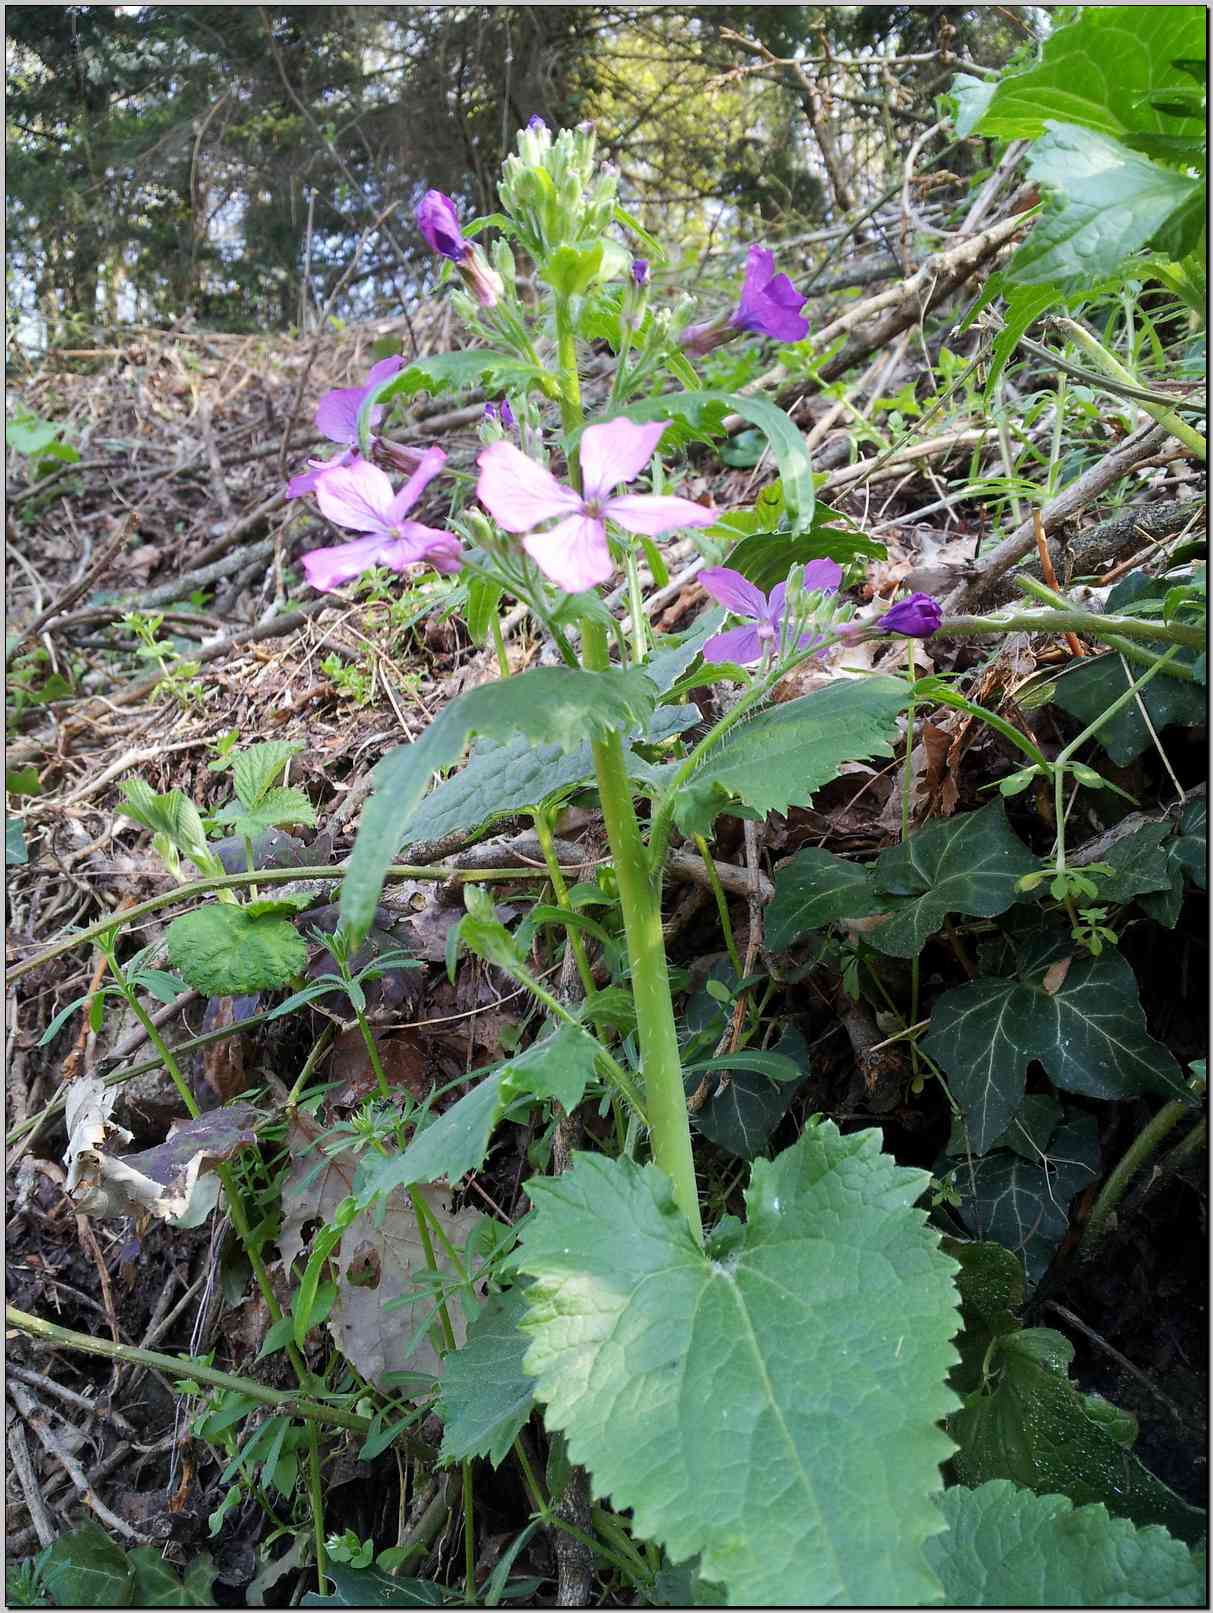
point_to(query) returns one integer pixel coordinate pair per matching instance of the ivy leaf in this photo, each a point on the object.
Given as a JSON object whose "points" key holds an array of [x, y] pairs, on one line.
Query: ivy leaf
{"points": [[991, 1287], [548, 705], [157, 1583], [788, 751], [372, 1587], [966, 864], [795, 1351], [760, 1090], [1139, 864], [1025, 1205], [1006, 1547], [1095, 72], [1095, 683], [1187, 855], [222, 950], [813, 889], [486, 1393], [1034, 1428], [87, 1569], [16, 853], [1090, 1035], [1107, 203], [457, 1141]]}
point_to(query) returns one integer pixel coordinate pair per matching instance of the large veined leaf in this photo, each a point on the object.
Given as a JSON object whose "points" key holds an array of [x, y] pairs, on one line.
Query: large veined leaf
{"points": [[1089, 1033], [549, 705], [487, 1395], [558, 1067], [1006, 1547], [1031, 1425], [966, 864], [1108, 202], [765, 558], [1097, 72], [769, 1402], [1087, 690], [705, 409], [812, 889], [1024, 1204], [788, 751]]}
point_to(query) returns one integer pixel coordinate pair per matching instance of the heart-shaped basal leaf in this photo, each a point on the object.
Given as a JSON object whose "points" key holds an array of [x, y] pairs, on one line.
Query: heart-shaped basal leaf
{"points": [[1023, 1204], [788, 751], [1031, 1425], [1006, 1547], [548, 705], [813, 889], [966, 864], [487, 1394], [1089, 1034], [224, 951], [769, 1402]]}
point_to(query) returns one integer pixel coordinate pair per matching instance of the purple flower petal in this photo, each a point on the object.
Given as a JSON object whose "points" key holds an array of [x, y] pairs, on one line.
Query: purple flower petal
{"points": [[517, 492], [384, 370], [574, 554], [916, 617], [337, 413], [307, 480], [328, 568], [439, 224], [359, 497], [442, 550], [769, 303], [739, 644], [640, 271], [536, 123], [432, 462], [616, 451], [507, 415], [734, 592], [822, 576], [655, 513]]}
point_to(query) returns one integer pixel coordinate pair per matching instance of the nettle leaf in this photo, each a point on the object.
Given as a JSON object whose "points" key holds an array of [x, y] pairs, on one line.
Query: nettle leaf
{"points": [[1108, 202], [1024, 1205], [967, 864], [1089, 1034], [811, 890], [742, 1399], [788, 751], [222, 950], [972, 97], [1034, 1428], [705, 410], [457, 1141], [548, 705], [1093, 684], [1006, 1547], [255, 769], [487, 1395], [1096, 72], [275, 806]]}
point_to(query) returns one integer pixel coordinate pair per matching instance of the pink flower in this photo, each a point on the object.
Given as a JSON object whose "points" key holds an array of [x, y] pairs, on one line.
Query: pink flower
{"points": [[746, 644], [360, 497], [769, 305], [337, 419], [574, 553]]}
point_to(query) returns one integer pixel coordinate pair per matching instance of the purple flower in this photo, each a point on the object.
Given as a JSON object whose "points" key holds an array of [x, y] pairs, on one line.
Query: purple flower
{"points": [[574, 553], [439, 223], [640, 271], [916, 617], [769, 303], [308, 480], [536, 123], [746, 644], [337, 419], [507, 415], [360, 497], [490, 412]]}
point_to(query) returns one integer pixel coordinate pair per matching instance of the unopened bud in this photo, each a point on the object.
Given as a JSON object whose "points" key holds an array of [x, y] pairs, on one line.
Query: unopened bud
{"points": [[483, 282]]}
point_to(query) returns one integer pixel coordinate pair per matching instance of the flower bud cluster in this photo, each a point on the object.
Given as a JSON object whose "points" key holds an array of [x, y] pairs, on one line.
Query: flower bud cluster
{"points": [[555, 191]]}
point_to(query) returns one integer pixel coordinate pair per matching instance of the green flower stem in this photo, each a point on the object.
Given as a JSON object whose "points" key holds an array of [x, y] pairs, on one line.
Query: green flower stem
{"points": [[1071, 619], [503, 660], [636, 609], [315, 1495], [1143, 657], [427, 1245], [571, 415], [368, 1041], [286, 1401], [543, 832], [469, 1537], [640, 898], [1142, 1149], [722, 906], [1103, 360]]}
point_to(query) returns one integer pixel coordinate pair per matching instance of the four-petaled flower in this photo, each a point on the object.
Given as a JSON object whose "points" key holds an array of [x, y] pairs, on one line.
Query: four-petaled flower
{"points": [[917, 616], [574, 554], [742, 598], [769, 304], [360, 497], [337, 419]]}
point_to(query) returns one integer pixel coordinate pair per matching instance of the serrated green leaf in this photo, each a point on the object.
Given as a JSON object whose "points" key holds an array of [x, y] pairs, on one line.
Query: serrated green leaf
{"points": [[973, 97], [1006, 1547], [812, 890], [1024, 1205], [548, 705], [452, 372], [1095, 71], [1031, 1426], [372, 1587], [281, 804], [810, 1361], [87, 1569], [255, 769], [222, 951], [1108, 202], [458, 1140], [570, 270], [788, 751], [704, 410], [284, 902], [171, 814], [966, 864], [1090, 687], [486, 1394], [1089, 1034]]}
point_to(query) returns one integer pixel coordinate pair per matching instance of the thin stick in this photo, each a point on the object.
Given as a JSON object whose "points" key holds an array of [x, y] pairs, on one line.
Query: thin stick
{"points": [[1049, 575]]}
